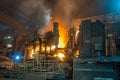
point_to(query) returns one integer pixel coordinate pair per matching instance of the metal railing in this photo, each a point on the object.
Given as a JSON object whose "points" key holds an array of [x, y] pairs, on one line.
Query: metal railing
{"points": [[40, 66]]}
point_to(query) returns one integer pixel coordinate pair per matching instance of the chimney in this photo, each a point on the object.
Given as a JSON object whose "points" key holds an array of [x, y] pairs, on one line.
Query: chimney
{"points": [[56, 33]]}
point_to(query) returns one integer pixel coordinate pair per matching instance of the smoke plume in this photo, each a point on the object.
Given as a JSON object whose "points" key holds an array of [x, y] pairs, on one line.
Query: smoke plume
{"points": [[35, 12], [64, 9]]}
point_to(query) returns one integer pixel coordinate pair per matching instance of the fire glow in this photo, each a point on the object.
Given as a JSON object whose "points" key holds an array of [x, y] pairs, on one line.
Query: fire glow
{"points": [[63, 39], [63, 33]]}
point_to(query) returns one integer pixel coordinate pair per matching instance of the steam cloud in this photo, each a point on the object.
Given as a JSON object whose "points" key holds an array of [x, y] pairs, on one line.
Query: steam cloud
{"points": [[37, 12]]}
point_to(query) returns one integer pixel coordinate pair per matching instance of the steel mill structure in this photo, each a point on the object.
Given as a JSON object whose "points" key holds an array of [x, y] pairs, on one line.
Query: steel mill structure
{"points": [[90, 50], [99, 49]]}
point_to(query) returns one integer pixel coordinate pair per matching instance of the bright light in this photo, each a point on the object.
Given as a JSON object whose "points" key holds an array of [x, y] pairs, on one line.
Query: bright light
{"points": [[9, 45], [53, 47], [32, 53], [55, 55], [17, 57], [77, 33], [48, 48], [63, 36], [63, 32], [77, 53], [9, 37], [43, 48], [61, 56], [37, 50], [76, 36]]}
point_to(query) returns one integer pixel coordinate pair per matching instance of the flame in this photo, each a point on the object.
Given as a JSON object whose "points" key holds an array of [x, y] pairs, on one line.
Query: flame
{"points": [[61, 56], [63, 37], [36, 49], [43, 49], [31, 55], [53, 47], [31, 52], [76, 36], [77, 33], [63, 33], [48, 49]]}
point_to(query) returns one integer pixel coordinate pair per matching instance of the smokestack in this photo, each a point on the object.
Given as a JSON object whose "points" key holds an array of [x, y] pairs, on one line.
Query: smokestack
{"points": [[55, 28], [56, 33]]}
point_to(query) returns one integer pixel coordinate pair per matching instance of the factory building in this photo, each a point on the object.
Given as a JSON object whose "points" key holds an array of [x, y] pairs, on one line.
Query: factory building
{"points": [[59, 40]]}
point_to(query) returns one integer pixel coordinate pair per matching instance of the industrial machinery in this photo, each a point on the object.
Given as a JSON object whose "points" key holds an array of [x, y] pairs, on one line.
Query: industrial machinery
{"points": [[98, 49], [43, 59], [90, 53]]}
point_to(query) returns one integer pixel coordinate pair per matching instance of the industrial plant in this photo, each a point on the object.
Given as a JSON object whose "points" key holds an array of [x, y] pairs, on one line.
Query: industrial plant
{"points": [[58, 40]]}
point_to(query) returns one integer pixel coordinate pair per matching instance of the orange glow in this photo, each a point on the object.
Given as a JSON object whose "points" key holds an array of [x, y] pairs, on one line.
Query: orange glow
{"points": [[63, 37], [77, 33], [43, 48], [53, 47], [63, 33], [31, 55], [37, 49], [30, 51], [61, 56], [76, 36], [48, 48]]}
